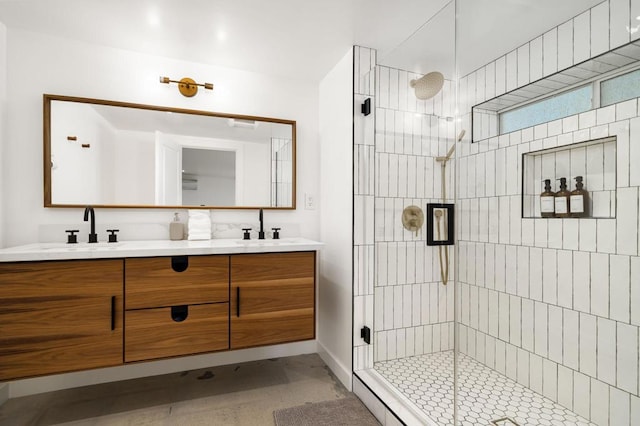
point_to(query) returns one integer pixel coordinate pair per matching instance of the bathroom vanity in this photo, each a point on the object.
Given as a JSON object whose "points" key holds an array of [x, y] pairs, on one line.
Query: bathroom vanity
{"points": [[77, 307]]}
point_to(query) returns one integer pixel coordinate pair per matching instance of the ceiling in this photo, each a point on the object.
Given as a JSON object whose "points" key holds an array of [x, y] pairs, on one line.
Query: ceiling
{"points": [[299, 39]]}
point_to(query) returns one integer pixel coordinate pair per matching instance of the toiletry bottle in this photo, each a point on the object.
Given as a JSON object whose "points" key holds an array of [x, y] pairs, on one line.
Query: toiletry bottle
{"points": [[176, 228], [547, 200], [562, 200], [579, 200]]}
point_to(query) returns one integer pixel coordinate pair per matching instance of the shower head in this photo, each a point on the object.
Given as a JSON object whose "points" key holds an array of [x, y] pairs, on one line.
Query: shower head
{"points": [[427, 86]]}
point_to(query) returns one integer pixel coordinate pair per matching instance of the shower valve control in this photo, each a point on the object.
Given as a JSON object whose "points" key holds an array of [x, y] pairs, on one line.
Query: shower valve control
{"points": [[365, 333]]}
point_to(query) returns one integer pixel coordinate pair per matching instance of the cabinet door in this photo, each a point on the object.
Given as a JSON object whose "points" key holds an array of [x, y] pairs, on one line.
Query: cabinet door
{"points": [[59, 316], [272, 298]]}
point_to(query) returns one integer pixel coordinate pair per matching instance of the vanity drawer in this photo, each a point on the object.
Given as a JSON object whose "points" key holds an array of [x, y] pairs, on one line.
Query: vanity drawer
{"points": [[176, 280], [168, 332]]}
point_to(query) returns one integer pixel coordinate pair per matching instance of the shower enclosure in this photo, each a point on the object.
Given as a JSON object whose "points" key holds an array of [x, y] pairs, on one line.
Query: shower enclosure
{"points": [[538, 320]]}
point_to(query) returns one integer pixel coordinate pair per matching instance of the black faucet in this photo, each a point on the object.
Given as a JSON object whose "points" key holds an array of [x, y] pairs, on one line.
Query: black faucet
{"points": [[261, 232], [93, 237]]}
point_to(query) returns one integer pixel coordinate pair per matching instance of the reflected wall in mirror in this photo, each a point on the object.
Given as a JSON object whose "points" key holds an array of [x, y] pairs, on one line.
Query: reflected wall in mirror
{"points": [[115, 154]]}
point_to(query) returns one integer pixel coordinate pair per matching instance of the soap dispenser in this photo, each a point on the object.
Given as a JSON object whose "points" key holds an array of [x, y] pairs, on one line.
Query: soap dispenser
{"points": [[176, 228], [547, 200], [562, 200], [579, 200]]}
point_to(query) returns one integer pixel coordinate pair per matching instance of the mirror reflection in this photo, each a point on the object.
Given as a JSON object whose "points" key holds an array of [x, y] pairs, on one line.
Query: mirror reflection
{"points": [[112, 154]]}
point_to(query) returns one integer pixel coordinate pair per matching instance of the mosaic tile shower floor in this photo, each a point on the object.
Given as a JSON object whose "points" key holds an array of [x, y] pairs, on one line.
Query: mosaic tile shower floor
{"points": [[485, 395]]}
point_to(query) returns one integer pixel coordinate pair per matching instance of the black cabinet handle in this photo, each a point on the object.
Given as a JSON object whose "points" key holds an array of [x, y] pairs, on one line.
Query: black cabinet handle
{"points": [[237, 301], [113, 313]]}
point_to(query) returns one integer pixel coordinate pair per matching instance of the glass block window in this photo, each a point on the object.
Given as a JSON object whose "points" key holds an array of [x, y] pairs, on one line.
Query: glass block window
{"points": [[620, 88], [559, 106]]}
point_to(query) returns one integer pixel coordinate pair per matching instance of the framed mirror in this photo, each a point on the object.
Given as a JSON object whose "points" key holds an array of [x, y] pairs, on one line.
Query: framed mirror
{"points": [[115, 154]]}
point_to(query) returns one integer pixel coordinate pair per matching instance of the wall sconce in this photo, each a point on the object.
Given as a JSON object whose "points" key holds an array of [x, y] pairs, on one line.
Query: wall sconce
{"points": [[187, 86]]}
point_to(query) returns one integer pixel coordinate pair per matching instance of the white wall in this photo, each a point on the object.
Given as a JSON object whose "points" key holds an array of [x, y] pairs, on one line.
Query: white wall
{"points": [[80, 69], [38, 64], [4, 389], [336, 205]]}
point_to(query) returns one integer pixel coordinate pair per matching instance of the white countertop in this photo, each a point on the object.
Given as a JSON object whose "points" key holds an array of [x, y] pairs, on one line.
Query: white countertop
{"points": [[103, 250]]}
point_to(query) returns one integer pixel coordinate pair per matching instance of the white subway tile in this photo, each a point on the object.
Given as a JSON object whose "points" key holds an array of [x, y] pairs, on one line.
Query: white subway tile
{"points": [[570, 124], [535, 378], [634, 151], [607, 350], [504, 215], [512, 362], [555, 334], [501, 75], [635, 290], [512, 70], [581, 281], [511, 269], [606, 115], [493, 313], [588, 344], [570, 339], [565, 45], [522, 279], [398, 306], [393, 89], [635, 12], [565, 278], [606, 235], [515, 311], [599, 29], [600, 284], [523, 65], [392, 344], [503, 317], [627, 357], [582, 37], [599, 402], [581, 396], [619, 407], [523, 367], [565, 387], [541, 329], [625, 110], [528, 323], [627, 221], [500, 267], [550, 379], [528, 232], [555, 236], [549, 276], [501, 354], [587, 237], [550, 51], [544, 237], [618, 22], [619, 288], [535, 274], [535, 61], [570, 234]]}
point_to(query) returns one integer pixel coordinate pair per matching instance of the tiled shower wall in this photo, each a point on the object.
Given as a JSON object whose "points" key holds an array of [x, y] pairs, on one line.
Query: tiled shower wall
{"points": [[398, 293], [554, 303]]}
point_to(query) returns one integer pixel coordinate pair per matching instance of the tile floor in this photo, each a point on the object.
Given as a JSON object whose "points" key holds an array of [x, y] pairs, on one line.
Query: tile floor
{"points": [[485, 395], [240, 394]]}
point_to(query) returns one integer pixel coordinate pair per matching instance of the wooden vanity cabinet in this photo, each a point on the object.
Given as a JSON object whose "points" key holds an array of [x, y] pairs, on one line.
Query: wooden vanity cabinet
{"points": [[272, 298], [60, 316], [175, 306]]}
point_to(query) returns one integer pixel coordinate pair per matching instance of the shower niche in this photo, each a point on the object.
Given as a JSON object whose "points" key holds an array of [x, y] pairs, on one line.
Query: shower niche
{"points": [[594, 160]]}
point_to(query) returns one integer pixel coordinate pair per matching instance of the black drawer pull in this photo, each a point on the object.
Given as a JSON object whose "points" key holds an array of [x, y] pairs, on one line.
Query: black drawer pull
{"points": [[179, 263], [237, 301], [113, 313], [179, 313]]}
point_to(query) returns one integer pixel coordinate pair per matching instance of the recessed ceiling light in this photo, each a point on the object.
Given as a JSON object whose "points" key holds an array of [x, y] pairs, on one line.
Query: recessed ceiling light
{"points": [[153, 19], [222, 35]]}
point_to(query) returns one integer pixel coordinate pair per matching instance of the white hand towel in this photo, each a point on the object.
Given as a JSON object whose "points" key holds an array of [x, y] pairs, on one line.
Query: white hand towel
{"points": [[199, 225]]}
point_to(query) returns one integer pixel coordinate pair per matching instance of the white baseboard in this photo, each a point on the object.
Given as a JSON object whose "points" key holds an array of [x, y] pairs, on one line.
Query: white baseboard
{"points": [[343, 373], [154, 368], [4, 393]]}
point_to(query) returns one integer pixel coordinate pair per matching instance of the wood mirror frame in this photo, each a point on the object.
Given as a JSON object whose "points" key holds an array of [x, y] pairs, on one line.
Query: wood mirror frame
{"points": [[289, 186]]}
